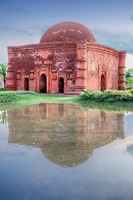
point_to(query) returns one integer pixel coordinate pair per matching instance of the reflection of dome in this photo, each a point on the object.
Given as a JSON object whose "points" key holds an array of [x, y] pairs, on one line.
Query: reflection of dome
{"points": [[66, 134], [68, 31], [66, 154]]}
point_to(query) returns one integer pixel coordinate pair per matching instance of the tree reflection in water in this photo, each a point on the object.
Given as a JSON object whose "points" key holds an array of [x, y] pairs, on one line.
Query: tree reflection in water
{"points": [[3, 117]]}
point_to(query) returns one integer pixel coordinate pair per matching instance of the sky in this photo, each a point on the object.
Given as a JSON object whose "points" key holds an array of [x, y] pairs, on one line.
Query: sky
{"points": [[24, 22]]}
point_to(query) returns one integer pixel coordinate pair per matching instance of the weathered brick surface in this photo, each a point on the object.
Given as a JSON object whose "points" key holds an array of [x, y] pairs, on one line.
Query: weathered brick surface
{"points": [[81, 62]]}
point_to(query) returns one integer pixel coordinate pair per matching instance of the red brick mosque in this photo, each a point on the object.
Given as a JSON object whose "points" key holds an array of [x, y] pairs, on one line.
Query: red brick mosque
{"points": [[66, 60]]}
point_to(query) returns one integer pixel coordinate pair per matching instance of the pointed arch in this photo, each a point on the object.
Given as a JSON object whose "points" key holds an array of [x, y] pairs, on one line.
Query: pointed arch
{"points": [[61, 85], [103, 83], [43, 83], [26, 84]]}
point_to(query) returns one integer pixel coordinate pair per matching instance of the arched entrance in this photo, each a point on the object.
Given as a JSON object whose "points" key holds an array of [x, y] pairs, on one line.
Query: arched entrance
{"points": [[26, 84], [43, 83], [61, 85], [103, 83]]}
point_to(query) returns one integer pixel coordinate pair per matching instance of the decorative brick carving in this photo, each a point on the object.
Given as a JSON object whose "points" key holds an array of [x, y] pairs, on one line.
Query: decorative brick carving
{"points": [[54, 76], [31, 75], [18, 76]]}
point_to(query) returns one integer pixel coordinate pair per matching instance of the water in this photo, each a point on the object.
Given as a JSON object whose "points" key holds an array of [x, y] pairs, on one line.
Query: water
{"points": [[61, 152]]}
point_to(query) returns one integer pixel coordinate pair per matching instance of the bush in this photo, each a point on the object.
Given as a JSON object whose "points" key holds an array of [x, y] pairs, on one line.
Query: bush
{"points": [[2, 89], [131, 91], [85, 95], [108, 96]]}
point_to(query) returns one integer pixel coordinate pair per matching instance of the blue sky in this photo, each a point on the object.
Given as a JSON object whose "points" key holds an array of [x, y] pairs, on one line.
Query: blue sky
{"points": [[24, 22]]}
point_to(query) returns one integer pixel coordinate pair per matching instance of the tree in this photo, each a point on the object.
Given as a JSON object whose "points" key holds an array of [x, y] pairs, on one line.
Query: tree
{"points": [[128, 74], [129, 81], [3, 72], [129, 78]]}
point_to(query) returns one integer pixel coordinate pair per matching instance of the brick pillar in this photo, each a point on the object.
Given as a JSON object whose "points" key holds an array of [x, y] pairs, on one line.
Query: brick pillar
{"points": [[122, 68], [81, 68], [10, 83], [10, 80]]}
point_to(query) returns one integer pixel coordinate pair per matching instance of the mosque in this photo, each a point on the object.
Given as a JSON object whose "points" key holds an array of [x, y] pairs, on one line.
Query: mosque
{"points": [[66, 60]]}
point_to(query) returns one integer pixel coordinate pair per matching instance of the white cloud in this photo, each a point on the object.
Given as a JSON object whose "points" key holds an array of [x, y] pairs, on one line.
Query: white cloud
{"points": [[129, 61]]}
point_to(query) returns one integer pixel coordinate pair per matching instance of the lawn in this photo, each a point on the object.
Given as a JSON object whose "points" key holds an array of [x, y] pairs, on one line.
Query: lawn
{"points": [[20, 99]]}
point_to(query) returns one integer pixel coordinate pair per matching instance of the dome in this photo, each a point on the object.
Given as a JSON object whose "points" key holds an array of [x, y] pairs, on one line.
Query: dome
{"points": [[68, 31]]}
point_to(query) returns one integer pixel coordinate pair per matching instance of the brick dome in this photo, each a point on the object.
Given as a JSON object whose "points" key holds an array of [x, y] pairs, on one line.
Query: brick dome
{"points": [[68, 31]]}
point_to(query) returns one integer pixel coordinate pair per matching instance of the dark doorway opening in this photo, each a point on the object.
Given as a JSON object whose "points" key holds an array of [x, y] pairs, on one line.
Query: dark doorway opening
{"points": [[61, 85], [26, 84], [103, 83], [43, 83]]}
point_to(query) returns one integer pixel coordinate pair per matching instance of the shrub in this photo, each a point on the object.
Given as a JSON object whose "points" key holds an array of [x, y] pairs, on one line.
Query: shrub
{"points": [[85, 95], [108, 96], [2, 89], [131, 91]]}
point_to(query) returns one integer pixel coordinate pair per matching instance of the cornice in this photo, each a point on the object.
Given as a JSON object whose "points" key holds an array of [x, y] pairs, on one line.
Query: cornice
{"points": [[44, 45], [104, 49]]}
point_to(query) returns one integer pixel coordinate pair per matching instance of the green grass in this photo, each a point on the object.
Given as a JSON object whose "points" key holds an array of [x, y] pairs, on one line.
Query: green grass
{"points": [[96, 100], [18, 99]]}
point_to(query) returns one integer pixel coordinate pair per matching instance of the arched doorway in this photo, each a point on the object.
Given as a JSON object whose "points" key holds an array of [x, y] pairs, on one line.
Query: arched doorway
{"points": [[61, 85], [43, 83], [26, 84], [103, 83]]}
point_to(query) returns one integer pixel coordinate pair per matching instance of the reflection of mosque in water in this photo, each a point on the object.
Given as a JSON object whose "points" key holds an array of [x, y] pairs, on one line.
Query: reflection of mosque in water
{"points": [[66, 134]]}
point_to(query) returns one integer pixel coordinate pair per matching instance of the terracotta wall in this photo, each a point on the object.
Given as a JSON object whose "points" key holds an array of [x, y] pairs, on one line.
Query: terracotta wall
{"points": [[102, 61], [80, 65], [32, 61]]}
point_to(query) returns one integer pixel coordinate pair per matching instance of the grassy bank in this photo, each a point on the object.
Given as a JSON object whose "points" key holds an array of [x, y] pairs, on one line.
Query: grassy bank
{"points": [[19, 99], [109, 100], [108, 96]]}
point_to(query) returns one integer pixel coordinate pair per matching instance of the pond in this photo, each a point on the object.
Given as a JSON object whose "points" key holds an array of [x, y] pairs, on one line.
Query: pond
{"points": [[62, 152]]}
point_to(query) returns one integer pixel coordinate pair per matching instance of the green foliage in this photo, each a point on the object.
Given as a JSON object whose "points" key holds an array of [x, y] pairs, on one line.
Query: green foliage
{"points": [[20, 99], [3, 72], [30, 98], [3, 117], [109, 96], [129, 78], [7, 97], [3, 69], [85, 95], [131, 71], [128, 74], [130, 91], [2, 89], [122, 92]]}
